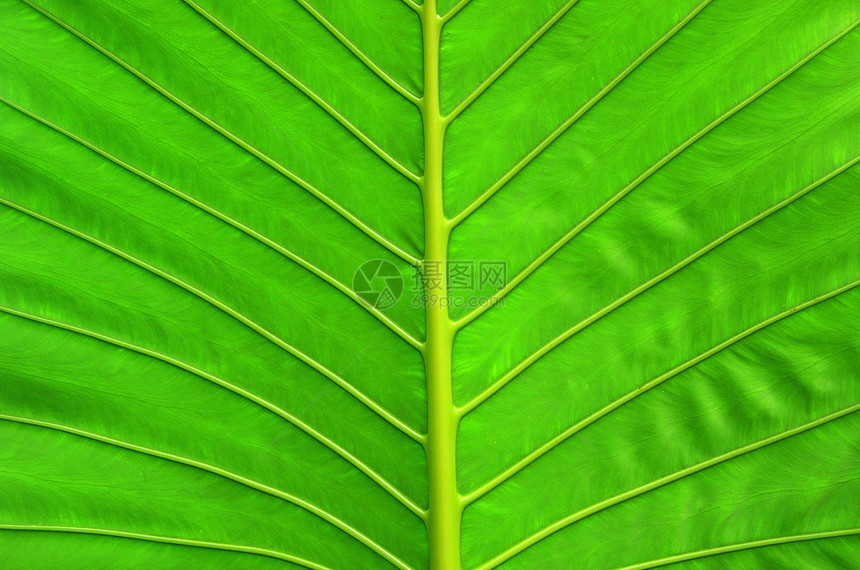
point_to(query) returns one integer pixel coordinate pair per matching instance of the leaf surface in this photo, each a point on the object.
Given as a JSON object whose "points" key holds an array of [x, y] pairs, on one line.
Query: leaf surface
{"points": [[192, 371]]}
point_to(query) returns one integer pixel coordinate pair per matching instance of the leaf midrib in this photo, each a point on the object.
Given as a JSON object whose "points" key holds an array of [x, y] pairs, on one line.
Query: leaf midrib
{"points": [[445, 226]]}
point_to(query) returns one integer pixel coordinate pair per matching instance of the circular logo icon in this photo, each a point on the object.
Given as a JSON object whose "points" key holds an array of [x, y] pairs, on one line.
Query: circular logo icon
{"points": [[379, 283]]}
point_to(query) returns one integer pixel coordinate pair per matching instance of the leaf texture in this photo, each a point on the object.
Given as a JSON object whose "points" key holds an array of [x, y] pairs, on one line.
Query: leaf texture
{"points": [[667, 376]]}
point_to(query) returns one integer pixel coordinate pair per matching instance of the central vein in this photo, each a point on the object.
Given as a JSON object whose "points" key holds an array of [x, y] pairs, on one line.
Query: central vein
{"points": [[444, 511]]}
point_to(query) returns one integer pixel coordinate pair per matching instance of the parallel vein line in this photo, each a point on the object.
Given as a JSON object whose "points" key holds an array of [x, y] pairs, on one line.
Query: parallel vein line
{"points": [[167, 540], [514, 57], [537, 355], [742, 546], [453, 11], [305, 185], [356, 51], [309, 507], [570, 121], [265, 333], [566, 434], [557, 526], [606, 206], [313, 96], [397, 329], [242, 393], [413, 5]]}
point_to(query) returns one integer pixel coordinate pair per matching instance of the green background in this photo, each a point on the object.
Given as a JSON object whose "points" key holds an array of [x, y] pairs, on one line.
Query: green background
{"points": [[187, 188]]}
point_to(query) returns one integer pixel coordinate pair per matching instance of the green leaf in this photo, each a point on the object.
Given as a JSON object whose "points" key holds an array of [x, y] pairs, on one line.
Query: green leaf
{"points": [[216, 348]]}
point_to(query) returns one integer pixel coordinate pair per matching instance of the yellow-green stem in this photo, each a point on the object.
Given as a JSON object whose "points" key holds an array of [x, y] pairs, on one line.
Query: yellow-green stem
{"points": [[443, 524]]}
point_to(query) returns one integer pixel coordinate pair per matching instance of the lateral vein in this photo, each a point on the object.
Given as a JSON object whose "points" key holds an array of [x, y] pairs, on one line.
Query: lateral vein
{"points": [[413, 5], [357, 52], [251, 484], [537, 355], [606, 206], [296, 179], [453, 12], [309, 93], [558, 525], [168, 540], [576, 428], [512, 59], [277, 341], [241, 392], [570, 121], [742, 546], [305, 264]]}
